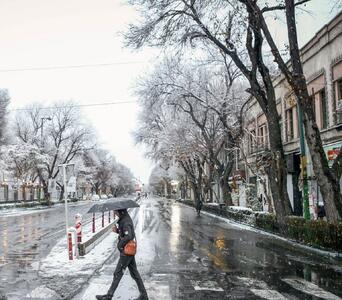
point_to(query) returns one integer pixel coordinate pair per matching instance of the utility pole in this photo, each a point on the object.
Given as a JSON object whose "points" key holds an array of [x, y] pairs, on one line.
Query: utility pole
{"points": [[303, 162], [64, 166]]}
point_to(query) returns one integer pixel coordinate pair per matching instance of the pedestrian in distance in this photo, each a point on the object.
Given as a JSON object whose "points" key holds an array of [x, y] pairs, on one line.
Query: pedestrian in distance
{"points": [[126, 233], [199, 205]]}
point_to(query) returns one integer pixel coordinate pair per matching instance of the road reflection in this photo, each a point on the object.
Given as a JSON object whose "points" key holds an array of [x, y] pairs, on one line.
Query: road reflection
{"points": [[175, 228], [25, 239]]}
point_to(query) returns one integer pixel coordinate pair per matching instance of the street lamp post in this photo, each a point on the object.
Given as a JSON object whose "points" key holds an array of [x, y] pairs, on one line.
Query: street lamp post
{"points": [[64, 166]]}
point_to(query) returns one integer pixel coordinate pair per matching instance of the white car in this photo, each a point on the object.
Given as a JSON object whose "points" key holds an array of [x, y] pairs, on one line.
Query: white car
{"points": [[95, 197]]}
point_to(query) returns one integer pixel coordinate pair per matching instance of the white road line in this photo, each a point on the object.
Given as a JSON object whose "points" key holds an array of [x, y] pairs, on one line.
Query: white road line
{"points": [[261, 289], [206, 286], [268, 294], [309, 288]]}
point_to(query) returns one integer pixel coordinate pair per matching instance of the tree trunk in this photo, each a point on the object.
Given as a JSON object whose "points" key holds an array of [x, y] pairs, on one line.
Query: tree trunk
{"points": [[277, 170], [61, 195], [328, 183], [165, 187], [225, 190], [46, 194]]}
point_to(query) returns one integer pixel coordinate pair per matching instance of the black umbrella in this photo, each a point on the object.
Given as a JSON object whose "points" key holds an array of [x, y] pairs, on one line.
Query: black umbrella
{"points": [[113, 204]]}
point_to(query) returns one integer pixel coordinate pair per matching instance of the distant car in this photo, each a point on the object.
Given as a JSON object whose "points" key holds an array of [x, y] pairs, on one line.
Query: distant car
{"points": [[103, 196], [85, 197], [110, 196], [95, 197]]}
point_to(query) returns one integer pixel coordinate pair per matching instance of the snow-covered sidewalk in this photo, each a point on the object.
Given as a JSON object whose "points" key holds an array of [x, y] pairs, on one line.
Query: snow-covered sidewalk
{"points": [[64, 277], [11, 209]]}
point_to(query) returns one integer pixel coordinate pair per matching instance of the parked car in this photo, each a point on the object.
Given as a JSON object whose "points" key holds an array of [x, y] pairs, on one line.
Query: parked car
{"points": [[95, 197]]}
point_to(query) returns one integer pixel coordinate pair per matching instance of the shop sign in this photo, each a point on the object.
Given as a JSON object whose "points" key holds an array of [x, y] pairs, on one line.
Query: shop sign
{"points": [[332, 152]]}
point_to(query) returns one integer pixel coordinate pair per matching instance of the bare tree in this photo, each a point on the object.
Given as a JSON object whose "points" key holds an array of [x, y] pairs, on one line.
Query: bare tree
{"points": [[176, 22], [170, 139], [4, 102], [64, 138], [98, 169]]}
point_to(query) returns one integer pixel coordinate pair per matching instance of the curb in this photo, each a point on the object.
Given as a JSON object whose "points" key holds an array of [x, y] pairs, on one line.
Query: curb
{"points": [[86, 246]]}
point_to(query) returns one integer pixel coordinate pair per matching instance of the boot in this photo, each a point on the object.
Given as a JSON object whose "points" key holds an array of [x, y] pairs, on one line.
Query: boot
{"points": [[103, 297]]}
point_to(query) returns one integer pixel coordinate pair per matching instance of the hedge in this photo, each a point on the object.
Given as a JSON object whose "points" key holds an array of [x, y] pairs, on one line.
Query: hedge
{"points": [[316, 233]]}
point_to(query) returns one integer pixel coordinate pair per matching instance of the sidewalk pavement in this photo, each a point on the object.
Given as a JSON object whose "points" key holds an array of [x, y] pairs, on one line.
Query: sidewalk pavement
{"points": [[64, 277]]}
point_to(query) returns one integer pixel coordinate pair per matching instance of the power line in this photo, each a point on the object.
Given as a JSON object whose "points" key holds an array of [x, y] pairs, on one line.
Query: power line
{"points": [[69, 66], [76, 105]]}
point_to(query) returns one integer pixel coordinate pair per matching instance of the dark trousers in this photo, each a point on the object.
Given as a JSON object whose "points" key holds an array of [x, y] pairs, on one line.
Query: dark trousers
{"points": [[124, 262]]}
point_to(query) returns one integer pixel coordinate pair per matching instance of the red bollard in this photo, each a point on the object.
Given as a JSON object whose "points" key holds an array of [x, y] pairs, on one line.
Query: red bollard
{"points": [[93, 223], [70, 246], [102, 219], [78, 226], [109, 217]]}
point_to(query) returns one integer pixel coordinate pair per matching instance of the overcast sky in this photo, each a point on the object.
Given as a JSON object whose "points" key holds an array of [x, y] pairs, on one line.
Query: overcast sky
{"points": [[45, 33]]}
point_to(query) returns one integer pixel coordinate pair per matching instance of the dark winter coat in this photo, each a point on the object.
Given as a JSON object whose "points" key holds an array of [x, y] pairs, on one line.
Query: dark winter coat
{"points": [[199, 205], [125, 231]]}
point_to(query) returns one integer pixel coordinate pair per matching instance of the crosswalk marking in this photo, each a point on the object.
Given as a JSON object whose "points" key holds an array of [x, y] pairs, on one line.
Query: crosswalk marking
{"points": [[310, 288], [261, 289], [206, 286], [268, 294]]}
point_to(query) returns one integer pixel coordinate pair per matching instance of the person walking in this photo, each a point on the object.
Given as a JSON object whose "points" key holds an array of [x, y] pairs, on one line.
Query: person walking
{"points": [[199, 205], [126, 233]]}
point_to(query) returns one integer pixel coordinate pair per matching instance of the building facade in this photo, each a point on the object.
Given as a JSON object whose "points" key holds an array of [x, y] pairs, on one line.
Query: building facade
{"points": [[322, 64]]}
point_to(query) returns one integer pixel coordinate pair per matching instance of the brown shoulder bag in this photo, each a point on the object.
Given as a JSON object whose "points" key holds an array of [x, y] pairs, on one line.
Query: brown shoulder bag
{"points": [[130, 248]]}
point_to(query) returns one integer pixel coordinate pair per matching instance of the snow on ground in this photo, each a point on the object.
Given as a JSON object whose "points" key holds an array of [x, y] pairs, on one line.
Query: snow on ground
{"points": [[242, 208], [212, 203], [18, 212], [58, 258], [10, 209], [42, 292]]}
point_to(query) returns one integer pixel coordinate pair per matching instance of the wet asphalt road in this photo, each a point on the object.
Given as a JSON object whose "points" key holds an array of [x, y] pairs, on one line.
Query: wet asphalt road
{"points": [[183, 256], [27, 238]]}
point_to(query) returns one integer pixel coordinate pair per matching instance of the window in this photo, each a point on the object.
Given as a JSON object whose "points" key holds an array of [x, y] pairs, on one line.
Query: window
{"points": [[338, 97], [252, 142], [320, 108], [289, 124], [312, 100], [262, 136], [323, 108], [337, 81], [339, 89]]}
